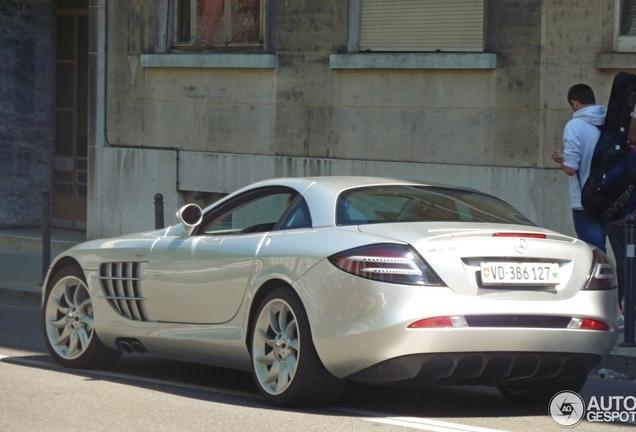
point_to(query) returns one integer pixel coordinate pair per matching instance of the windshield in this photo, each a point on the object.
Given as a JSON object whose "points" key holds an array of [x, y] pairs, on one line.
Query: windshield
{"points": [[386, 204]]}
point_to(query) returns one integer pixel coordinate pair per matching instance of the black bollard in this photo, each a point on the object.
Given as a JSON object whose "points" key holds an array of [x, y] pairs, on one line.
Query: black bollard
{"points": [[46, 232], [158, 211], [630, 289]]}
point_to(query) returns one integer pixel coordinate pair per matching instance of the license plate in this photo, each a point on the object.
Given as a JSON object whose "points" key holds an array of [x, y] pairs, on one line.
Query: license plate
{"points": [[519, 273]]}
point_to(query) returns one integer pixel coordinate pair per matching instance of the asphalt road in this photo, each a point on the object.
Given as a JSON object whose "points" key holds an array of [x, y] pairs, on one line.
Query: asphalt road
{"points": [[144, 393]]}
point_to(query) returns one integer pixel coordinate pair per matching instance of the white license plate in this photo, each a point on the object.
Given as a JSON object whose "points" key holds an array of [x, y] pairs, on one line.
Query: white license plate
{"points": [[519, 273]]}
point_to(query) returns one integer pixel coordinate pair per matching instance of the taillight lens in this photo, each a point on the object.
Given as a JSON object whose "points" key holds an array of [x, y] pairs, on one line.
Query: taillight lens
{"points": [[386, 263], [439, 322], [588, 324], [602, 275]]}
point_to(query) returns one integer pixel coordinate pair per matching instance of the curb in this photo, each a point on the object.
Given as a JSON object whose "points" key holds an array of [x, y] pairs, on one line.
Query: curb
{"points": [[23, 243], [620, 363]]}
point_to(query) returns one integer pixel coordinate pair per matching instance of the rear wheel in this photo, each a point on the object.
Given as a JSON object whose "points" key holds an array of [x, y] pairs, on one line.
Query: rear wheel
{"points": [[541, 393], [67, 322], [287, 369]]}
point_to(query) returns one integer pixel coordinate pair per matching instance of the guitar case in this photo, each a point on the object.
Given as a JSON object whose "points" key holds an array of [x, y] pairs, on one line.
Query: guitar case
{"points": [[610, 190]]}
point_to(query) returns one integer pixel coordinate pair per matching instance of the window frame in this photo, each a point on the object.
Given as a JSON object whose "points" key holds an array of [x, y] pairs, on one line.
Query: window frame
{"points": [[193, 45], [626, 44], [355, 29], [419, 60]]}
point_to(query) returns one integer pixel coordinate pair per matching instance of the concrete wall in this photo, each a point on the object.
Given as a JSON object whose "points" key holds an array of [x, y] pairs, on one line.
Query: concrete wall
{"points": [[26, 110], [490, 129]]}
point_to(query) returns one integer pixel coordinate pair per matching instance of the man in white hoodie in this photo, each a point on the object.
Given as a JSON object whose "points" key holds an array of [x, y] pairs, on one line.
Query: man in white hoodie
{"points": [[579, 140]]}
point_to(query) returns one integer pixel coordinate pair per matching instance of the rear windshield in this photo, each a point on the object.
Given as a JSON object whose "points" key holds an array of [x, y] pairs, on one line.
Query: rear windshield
{"points": [[386, 204]]}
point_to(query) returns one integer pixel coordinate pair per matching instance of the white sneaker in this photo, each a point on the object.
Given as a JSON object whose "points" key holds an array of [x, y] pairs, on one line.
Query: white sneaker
{"points": [[621, 323]]}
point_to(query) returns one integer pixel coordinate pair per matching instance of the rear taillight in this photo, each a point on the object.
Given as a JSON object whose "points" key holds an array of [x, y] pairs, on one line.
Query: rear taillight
{"points": [[588, 324], [439, 322], [602, 275], [386, 263]]}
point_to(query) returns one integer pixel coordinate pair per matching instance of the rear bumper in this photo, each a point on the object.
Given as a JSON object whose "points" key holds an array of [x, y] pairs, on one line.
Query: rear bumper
{"points": [[479, 368], [358, 325]]}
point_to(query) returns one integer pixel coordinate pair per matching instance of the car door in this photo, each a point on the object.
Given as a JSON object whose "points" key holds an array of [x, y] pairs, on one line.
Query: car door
{"points": [[201, 279]]}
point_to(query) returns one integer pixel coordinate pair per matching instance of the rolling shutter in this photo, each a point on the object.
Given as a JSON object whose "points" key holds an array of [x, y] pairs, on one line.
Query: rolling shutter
{"points": [[628, 18], [422, 25]]}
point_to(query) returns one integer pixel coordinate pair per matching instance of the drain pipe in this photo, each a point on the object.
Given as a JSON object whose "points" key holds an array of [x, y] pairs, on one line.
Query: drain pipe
{"points": [[106, 140], [102, 91]]}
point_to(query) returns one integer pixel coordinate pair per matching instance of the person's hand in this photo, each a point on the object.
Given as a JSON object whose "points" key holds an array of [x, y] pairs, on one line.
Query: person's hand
{"points": [[557, 156]]}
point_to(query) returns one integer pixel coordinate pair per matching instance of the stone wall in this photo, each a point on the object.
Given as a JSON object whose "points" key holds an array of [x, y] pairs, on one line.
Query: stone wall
{"points": [[482, 128], [26, 95]]}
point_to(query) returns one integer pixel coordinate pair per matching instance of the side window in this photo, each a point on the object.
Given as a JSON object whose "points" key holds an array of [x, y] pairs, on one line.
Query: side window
{"points": [[247, 214], [218, 23], [424, 25], [298, 217]]}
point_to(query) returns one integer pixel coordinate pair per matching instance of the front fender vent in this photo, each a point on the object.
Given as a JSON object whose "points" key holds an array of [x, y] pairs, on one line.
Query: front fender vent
{"points": [[121, 284]]}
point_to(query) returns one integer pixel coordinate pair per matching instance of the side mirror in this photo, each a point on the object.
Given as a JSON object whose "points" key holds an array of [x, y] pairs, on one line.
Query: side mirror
{"points": [[190, 216]]}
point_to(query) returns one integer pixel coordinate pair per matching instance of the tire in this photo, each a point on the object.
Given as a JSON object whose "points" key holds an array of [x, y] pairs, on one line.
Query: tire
{"points": [[541, 394], [67, 323], [287, 369]]}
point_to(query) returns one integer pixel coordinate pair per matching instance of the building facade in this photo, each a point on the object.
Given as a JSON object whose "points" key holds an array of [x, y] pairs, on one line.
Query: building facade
{"points": [[26, 109], [195, 98]]}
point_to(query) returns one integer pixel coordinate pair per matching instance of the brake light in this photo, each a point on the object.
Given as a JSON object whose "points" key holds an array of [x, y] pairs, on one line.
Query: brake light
{"points": [[386, 263], [522, 235], [439, 322], [602, 275], [588, 324]]}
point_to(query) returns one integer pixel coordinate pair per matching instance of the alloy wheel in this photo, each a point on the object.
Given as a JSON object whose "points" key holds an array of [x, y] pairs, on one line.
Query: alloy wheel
{"points": [[276, 346]]}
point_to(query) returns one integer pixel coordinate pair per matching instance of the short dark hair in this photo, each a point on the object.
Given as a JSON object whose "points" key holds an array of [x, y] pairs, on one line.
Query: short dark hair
{"points": [[582, 93]]}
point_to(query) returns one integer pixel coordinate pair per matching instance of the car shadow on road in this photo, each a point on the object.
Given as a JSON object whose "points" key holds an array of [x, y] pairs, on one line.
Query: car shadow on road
{"points": [[234, 387]]}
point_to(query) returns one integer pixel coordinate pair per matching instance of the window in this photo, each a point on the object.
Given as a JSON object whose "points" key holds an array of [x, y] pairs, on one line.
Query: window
{"points": [[392, 204], [298, 216], [219, 23], [625, 24], [421, 25], [257, 211]]}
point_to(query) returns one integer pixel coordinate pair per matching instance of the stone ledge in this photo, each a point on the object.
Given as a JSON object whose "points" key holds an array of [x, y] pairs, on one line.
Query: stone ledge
{"points": [[207, 60], [435, 60], [613, 60]]}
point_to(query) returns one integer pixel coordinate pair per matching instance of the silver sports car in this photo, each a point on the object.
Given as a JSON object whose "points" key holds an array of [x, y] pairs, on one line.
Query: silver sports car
{"points": [[313, 282]]}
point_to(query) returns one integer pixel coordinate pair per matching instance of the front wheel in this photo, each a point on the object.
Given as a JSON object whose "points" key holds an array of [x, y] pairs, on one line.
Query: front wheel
{"points": [[287, 369], [67, 323]]}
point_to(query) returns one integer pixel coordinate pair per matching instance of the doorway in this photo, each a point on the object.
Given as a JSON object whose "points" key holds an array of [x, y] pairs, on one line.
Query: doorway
{"points": [[70, 143]]}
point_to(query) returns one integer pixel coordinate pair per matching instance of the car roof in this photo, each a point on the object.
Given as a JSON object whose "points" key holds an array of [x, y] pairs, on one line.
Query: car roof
{"points": [[321, 193], [336, 184]]}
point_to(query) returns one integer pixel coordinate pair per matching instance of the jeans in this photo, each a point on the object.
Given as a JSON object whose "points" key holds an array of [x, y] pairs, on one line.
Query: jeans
{"points": [[616, 236], [590, 229]]}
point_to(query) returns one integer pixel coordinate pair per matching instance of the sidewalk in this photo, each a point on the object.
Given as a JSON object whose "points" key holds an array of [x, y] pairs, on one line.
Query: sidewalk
{"points": [[21, 266], [21, 277]]}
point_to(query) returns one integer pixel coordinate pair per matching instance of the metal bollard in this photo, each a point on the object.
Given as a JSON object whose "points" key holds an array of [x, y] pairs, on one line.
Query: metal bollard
{"points": [[158, 211], [46, 232], [630, 289]]}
